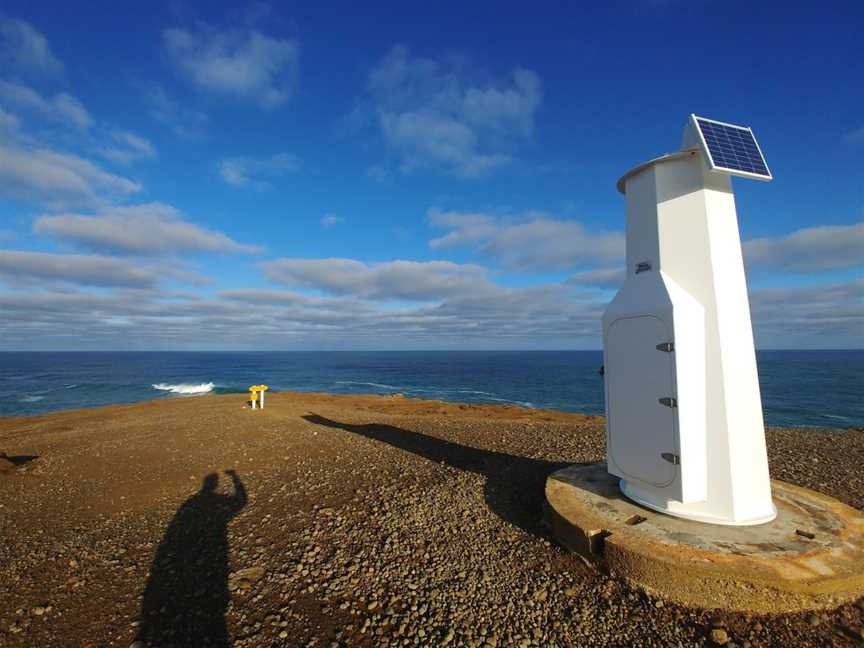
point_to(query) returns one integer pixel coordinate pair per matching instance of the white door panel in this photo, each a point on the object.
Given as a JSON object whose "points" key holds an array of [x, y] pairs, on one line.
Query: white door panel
{"points": [[638, 375]]}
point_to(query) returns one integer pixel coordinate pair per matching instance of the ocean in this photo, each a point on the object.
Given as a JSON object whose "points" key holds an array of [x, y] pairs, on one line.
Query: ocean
{"points": [[799, 388]]}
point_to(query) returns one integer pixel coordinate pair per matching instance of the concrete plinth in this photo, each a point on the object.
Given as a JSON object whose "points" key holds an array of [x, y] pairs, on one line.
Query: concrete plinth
{"points": [[811, 556]]}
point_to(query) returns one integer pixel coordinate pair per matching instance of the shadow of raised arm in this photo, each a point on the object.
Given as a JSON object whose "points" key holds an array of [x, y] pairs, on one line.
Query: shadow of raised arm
{"points": [[186, 596], [239, 498]]}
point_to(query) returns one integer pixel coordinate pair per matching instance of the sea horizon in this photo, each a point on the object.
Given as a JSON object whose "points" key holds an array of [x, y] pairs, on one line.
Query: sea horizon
{"points": [[800, 388], [430, 350]]}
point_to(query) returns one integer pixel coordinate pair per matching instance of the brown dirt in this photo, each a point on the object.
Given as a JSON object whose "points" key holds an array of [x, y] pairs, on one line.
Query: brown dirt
{"points": [[351, 521]]}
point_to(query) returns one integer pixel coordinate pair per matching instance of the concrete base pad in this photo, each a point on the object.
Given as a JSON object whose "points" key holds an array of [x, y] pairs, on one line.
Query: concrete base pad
{"points": [[810, 556]]}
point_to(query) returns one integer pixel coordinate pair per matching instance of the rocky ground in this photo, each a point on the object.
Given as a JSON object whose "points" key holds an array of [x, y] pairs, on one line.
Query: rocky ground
{"points": [[342, 521]]}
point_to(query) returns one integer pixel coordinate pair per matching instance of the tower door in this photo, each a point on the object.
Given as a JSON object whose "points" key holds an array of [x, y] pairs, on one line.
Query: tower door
{"points": [[639, 378]]}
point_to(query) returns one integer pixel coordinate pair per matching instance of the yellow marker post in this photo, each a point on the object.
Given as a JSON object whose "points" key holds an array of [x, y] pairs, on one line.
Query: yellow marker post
{"points": [[257, 395]]}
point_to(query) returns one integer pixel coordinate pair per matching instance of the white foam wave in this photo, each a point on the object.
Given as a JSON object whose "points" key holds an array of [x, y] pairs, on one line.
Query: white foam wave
{"points": [[512, 402], [441, 392], [31, 399], [185, 388], [370, 384]]}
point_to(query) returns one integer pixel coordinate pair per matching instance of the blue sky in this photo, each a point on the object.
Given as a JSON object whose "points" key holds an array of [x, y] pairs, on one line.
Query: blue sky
{"points": [[196, 176]]}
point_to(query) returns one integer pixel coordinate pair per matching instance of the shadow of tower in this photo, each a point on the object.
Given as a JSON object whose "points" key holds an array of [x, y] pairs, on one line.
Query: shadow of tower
{"points": [[514, 488]]}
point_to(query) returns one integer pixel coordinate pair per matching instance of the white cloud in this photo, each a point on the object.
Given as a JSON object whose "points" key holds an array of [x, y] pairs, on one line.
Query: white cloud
{"points": [[600, 278], [270, 297], [378, 173], [127, 147], [23, 47], [246, 172], [425, 137], [56, 179], [184, 121], [534, 316], [855, 136], [480, 316], [8, 121], [828, 315], [147, 229], [72, 111], [244, 64], [394, 280], [538, 242], [331, 220], [532, 242], [20, 268], [434, 113], [812, 249], [149, 318], [61, 108], [488, 316], [547, 244], [466, 228]]}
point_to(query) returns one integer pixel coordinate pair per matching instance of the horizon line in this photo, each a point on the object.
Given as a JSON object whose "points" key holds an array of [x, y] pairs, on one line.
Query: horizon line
{"points": [[830, 349]]}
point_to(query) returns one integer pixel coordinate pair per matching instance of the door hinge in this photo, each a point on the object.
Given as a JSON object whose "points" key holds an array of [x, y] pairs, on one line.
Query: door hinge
{"points": [[668, 347], [671, 458], [669, 402]]}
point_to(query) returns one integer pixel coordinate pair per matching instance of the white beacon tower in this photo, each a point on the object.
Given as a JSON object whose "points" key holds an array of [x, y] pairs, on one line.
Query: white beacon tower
{"points": [[684, 426]]}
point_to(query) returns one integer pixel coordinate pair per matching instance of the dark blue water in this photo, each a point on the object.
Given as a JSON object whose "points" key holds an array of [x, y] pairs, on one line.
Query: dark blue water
{"points": [[799, 388]]}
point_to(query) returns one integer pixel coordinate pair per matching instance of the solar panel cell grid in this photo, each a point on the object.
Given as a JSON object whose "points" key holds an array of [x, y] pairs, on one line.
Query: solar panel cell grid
{"points": [[733, 148]]}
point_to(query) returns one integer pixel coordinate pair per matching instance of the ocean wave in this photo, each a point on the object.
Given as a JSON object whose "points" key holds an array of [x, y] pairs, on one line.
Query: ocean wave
{"points": [[442, 393], [30, 399], [421, 390], [185, 388], [512, 402], [370, 384]]}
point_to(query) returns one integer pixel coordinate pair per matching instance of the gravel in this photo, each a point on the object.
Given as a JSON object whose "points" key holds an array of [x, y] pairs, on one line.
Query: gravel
{"points": [[352, 521]]}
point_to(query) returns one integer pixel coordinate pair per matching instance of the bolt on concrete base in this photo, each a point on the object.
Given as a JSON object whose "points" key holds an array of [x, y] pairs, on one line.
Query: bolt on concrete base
{"points": [[810, 557]]}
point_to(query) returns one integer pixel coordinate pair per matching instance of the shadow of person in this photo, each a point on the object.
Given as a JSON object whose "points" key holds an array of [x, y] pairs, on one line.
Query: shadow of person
{"points": [[13, 461], [514, 488], [186, 597]]}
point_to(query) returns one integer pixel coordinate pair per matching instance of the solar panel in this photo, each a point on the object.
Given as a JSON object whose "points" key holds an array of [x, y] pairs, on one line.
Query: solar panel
{"points": [[732, 149]]}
